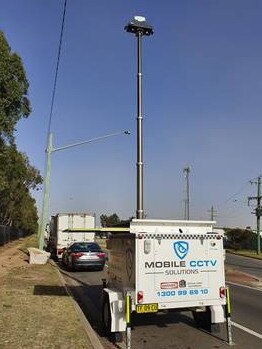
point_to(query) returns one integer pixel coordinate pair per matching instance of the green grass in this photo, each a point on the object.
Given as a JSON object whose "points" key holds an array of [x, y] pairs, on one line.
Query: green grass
{"points": [[246, 253]]}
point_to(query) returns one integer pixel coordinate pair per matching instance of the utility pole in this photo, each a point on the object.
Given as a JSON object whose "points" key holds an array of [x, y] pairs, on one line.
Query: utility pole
{"points": [[186, 172], [258, 209], [212, 212]]}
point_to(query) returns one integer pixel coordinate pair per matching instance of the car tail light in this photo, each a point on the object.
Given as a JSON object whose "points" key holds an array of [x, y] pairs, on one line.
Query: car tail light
{"points": [[222, 292], [140, 297], [101, 255], [76, 255]]}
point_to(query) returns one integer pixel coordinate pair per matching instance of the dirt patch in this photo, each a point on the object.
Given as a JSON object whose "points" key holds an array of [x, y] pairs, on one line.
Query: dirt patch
{"points": [[241, 278], [11, 256]]}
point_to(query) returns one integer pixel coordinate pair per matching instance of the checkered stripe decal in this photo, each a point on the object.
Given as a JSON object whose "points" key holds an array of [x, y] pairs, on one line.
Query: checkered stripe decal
{"points": [[178, 236]]}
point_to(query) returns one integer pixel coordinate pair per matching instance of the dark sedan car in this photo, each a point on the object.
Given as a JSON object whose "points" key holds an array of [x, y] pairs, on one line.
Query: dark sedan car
{"points": [[84, 255]]}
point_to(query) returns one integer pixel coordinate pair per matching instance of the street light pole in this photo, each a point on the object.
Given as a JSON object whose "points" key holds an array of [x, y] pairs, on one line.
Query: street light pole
{"points": [[49, 151], [44, 213], [139, 27]]}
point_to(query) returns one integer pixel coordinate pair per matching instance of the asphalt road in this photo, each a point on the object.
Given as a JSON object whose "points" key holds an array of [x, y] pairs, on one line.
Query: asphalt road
{"points": [[246, 265], [173, 330], [247, 307]]}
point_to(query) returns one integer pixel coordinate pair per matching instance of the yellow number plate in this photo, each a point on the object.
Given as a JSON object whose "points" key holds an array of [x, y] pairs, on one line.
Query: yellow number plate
{"points": [[147, 308]]}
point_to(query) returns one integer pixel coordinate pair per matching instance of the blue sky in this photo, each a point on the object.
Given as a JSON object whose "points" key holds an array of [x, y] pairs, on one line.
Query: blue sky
{"points": [[202, 88]]}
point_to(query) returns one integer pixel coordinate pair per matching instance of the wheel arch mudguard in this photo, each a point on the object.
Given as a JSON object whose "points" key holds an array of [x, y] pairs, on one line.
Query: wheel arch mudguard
{"points": [[117, 309]]}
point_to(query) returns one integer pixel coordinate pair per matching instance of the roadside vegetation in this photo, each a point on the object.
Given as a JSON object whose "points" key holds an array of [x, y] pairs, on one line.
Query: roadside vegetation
{"points": [[242, 242], [246, 253], [113, 220], [36, 312], [17, 177]]}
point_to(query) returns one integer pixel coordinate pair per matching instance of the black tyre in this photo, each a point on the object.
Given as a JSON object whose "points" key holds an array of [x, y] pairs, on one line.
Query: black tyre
{"points": [[71, 266], [63, 262], [106, 315], [215, 328], [203, 320]]}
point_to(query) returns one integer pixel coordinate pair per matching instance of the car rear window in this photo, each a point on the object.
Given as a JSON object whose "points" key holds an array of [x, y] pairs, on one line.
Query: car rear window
{"points": [[85, 247]]}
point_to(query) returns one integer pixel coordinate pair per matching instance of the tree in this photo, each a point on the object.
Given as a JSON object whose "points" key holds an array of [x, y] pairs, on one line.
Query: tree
{"points": [[17, 176], [113, 220], [238, 238], [109, 221], [14, 103]]}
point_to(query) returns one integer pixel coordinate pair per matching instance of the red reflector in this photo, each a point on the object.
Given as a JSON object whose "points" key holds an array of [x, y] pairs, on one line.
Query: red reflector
{"points": [[222, 292], [77, 255], [101, 255], [140, 296]]}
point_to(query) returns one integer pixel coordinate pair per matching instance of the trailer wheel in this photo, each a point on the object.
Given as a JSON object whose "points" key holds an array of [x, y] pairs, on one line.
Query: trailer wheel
{"points": [[215, 328], [114, 337], [71, 266], [203, 320], [106, 315]]}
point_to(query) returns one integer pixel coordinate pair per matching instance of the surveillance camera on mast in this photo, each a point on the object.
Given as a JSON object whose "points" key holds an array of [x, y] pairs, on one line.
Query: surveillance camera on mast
{"points": [[138, 24]]}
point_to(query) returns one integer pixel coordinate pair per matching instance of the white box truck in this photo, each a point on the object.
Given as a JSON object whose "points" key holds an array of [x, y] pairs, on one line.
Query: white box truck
{"points": [[164, 265], [63, 230]]}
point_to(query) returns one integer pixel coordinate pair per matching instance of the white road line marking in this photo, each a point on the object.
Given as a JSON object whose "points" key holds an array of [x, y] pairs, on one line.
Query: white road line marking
{"points": [[252, 288], [243, 328]]}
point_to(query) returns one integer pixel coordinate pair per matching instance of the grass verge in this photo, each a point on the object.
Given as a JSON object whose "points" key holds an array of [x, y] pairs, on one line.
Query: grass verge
{"points": [[35, 309], [246, 253]]}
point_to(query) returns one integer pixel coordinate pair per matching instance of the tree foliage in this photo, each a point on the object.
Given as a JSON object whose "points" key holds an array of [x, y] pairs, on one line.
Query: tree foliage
{"points": [[17, 176], [237, 238], [109, 221], [113, 221], [14, 103]]}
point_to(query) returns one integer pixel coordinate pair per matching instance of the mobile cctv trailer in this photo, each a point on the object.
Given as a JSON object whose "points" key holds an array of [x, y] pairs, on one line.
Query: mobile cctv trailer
{"points": [[66, 228], [164, 265]]}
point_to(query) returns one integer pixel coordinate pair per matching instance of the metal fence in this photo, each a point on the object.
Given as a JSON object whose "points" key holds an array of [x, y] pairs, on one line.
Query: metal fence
{"points": [[8, 234]]}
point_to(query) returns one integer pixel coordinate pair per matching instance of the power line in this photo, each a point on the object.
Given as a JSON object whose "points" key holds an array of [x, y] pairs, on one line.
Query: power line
{"points": [[57, 67], [242, 188], [44, 212], [238, 192]]}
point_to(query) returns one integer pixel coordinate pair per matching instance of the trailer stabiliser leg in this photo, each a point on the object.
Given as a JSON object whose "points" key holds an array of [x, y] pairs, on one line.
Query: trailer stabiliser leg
{"points": [[128, 321], [228, 318]]}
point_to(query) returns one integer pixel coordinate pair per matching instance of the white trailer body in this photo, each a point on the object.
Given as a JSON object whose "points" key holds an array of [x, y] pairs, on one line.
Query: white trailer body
{"points": [[60, 234], [164, 265]]}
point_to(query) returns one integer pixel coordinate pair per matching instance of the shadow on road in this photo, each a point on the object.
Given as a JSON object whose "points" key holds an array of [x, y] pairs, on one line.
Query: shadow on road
{"points": [[89, 298]]}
